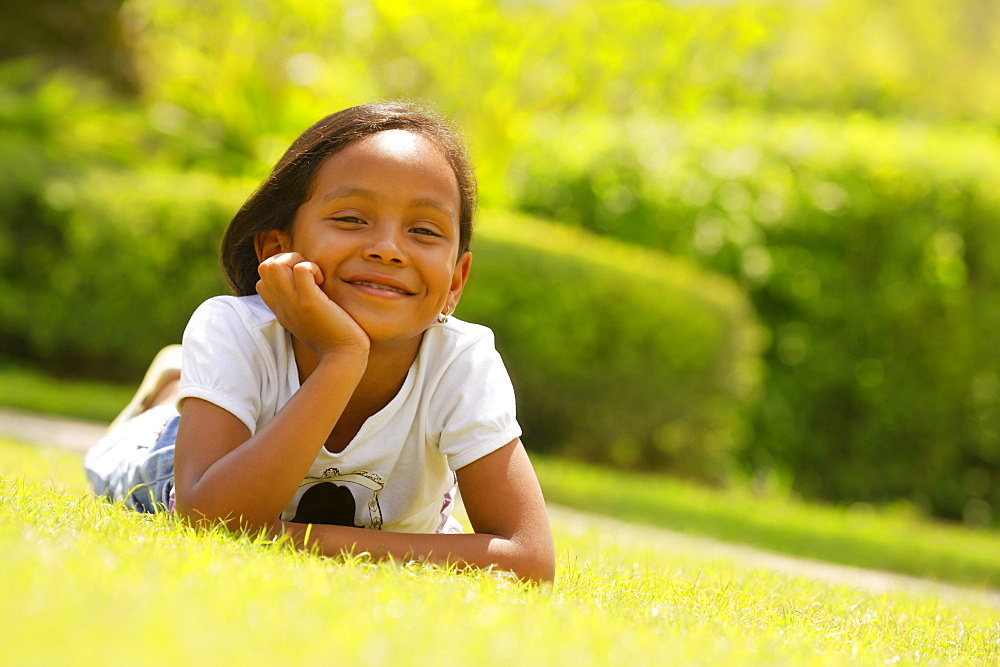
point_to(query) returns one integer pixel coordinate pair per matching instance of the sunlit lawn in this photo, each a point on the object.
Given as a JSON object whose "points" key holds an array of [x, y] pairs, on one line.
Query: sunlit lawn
{"points": [[900, 539], [28, 389], [881, 539], [89, 583]]}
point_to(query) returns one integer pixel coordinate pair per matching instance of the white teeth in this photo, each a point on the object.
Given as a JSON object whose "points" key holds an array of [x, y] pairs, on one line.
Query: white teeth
{"points": [[388, 288]]}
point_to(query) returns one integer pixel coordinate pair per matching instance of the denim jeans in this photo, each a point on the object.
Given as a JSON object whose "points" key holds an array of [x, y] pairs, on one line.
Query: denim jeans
{"points": [[135, 462]]}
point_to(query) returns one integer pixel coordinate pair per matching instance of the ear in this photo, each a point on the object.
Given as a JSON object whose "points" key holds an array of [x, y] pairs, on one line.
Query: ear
{"points": [[458, 280], [270, 243]]}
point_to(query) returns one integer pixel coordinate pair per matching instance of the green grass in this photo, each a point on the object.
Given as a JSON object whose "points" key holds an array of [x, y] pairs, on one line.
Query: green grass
{"points": [[884, 539], [28, 389], [901, 541], [86, 582]]}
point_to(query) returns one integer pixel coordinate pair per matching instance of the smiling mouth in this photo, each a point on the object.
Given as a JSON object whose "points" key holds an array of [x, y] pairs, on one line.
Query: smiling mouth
{"points": [[380, 286]]}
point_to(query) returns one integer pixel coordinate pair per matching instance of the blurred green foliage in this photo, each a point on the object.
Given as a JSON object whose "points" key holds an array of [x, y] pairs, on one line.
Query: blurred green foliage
{"points": [[872, 253], [490, 65], [84, 34], [838, 159], [238, 76], [93, 255]]}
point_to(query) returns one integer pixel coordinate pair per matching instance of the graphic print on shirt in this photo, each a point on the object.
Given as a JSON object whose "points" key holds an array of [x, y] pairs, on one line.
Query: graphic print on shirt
{"points": [[335, 498]]}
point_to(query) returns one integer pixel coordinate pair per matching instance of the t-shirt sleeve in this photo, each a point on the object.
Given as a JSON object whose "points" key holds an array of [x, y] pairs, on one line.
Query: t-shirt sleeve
{"points": [[220, 361], [478, 413]]}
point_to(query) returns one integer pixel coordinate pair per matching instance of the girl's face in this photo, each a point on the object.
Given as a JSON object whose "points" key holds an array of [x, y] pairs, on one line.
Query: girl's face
{"points": [[382, 224]]}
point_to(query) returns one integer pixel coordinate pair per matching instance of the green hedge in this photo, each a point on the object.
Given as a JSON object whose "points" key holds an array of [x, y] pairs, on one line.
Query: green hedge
{"points": [[619, 355], [871, 250], [77, 225], [115, 270]]}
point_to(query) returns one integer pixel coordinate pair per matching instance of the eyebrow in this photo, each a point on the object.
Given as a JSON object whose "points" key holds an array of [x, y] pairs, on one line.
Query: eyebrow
{"points": [[346, 191]]}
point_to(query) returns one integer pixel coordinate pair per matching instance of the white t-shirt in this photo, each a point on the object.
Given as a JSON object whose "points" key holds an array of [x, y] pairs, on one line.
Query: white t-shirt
{"points": [[455, 406]]}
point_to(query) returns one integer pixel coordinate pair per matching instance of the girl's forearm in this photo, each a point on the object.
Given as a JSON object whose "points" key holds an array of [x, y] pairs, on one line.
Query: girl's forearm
{"points": [[516, 554], [250, 485]]}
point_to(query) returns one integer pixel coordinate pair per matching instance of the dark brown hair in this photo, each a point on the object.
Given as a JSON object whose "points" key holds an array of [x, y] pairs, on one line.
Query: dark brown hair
{"points": [[274, 204]]}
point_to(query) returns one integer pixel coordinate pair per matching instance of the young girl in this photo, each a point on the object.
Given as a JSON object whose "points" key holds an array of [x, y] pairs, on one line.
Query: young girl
{"points": [[335, 389]]}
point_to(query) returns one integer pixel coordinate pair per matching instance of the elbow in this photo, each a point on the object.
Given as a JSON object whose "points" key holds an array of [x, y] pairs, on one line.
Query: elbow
{"points": [[545, 567], [537, 564], [209, 520], [542, 572], [186, 510], [204, 514], [188, 507], [197, 515], [536, 571]]}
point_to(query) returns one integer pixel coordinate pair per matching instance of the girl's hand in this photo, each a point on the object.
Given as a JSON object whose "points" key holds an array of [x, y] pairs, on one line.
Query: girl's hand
{"points": [[290, 286]]}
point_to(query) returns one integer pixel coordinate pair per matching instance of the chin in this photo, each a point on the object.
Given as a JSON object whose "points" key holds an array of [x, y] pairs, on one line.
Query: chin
{"points": [[383, 332], [379, 332]]}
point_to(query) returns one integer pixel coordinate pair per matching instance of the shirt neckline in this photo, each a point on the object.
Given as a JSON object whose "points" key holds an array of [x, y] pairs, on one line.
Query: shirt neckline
{"points": [[374, 421]]}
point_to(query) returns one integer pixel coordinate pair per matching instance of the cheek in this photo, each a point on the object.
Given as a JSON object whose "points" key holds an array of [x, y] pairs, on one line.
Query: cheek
{"points": [[335, 290]]}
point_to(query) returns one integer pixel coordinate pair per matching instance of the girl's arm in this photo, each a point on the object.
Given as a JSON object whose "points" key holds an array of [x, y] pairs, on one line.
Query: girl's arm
{"points": [[220, 471], [505, 505]]}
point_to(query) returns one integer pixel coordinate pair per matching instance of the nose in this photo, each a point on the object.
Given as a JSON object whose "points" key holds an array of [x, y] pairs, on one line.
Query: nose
{"points": [[385, 248]]}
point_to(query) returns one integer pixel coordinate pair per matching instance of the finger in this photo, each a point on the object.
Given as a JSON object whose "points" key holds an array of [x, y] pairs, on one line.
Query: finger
{"points": [[314, 270], [278, 282], [265, 293], [275, 275], [305, 274], [288, 258], [270, 268], [284, 260]]}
